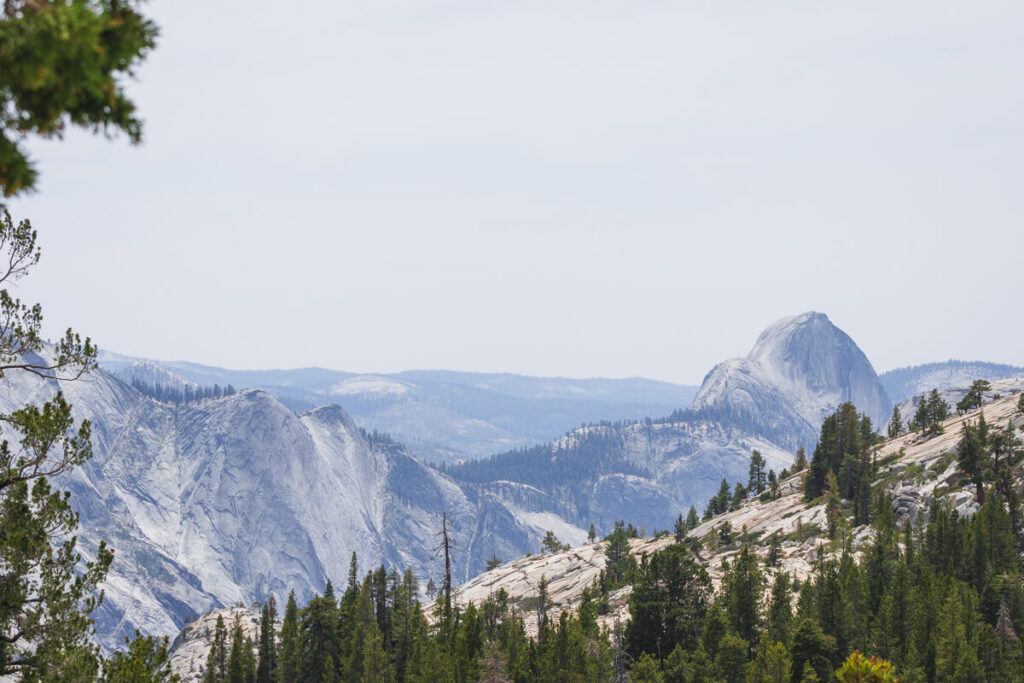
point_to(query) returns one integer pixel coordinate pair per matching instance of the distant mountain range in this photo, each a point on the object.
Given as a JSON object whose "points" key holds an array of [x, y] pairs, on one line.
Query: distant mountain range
{"points": [[229, 499], [440, 415], [903, 383]]}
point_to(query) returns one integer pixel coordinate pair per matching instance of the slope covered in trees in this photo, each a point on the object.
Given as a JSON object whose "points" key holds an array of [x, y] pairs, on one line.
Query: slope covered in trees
{"points": [[927, 588]]}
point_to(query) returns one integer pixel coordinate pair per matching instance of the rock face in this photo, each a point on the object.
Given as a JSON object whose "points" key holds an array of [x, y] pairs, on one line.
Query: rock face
{"points": [[914, 473], [234, 499], [773, 400], [799, 371], [441, 416]]}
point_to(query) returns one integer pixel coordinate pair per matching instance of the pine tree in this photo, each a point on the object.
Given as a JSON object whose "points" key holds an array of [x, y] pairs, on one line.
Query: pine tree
{"points": [[266, 670], [812, 648], [833, 505], [550, 543], [972, 400], [493, 563], [217, 659], [680, 529], [144, 660], [375, 667], [771, 663], [780, 610], [591, 534], [800, 461], [731, 659], [289, 667], [692, 522], [757, 476], [774, 550], [971, 457], [742, 587], [895, 423], [668, 602], [237, 659]]}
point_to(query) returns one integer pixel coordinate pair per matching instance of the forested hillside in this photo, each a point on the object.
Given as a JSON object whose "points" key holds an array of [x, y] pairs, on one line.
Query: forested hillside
{"points": [[914, 562]]}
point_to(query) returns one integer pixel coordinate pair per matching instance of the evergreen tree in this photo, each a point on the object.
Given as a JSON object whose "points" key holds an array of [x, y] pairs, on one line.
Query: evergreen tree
{"points": [[668, 603], [895, 423], [742, 588], [774, 550], [771, 664], [65, 63], [217, 659], [493, 563], [550, 544], [731, 660], [592, 534], [812, 648], [238, 671], [266, 671], [288, 661], [971, 457], [780, 610], [692, 522], [800, 461], [757, 476], [972, 400], [144, 660]]}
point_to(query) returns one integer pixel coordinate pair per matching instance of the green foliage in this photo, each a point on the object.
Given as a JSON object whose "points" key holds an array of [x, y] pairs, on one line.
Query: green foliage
{"points": [[63, 62], [931, 411], [217, 660], [144, 660], [619, 562], [757, 475], [800, 461], [895, 423], [972, 400], [742, 588], [551, 544], [668, 602], [860, 669]]}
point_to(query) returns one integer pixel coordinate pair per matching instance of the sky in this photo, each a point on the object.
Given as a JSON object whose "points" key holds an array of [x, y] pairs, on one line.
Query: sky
{"points": [[579, 189]]}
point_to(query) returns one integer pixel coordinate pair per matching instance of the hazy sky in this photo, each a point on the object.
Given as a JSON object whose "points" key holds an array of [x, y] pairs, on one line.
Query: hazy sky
{"points": [[571, 188]]}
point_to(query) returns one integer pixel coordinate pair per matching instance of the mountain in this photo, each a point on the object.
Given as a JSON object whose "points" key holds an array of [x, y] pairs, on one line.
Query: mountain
{"points": [[799, 371], [441, 416], [228, 500], [915, 476], [212, 502], [903, 383]]}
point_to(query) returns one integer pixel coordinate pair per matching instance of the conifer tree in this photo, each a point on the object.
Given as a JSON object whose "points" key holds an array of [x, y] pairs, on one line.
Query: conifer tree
{"points": [[266, 670], [757, 476], [217, 659], [289, 667], [742, 588], [237, 659], [895, 423], [771, 663], [971, 457], [591, 534], [668, 602], [800, 462], [780, 610], [692, 521]]}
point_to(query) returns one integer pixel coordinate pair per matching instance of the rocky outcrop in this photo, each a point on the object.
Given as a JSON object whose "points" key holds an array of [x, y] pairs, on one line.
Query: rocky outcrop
{"points": [[231, 500], [916, 472], [800, 370]]}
